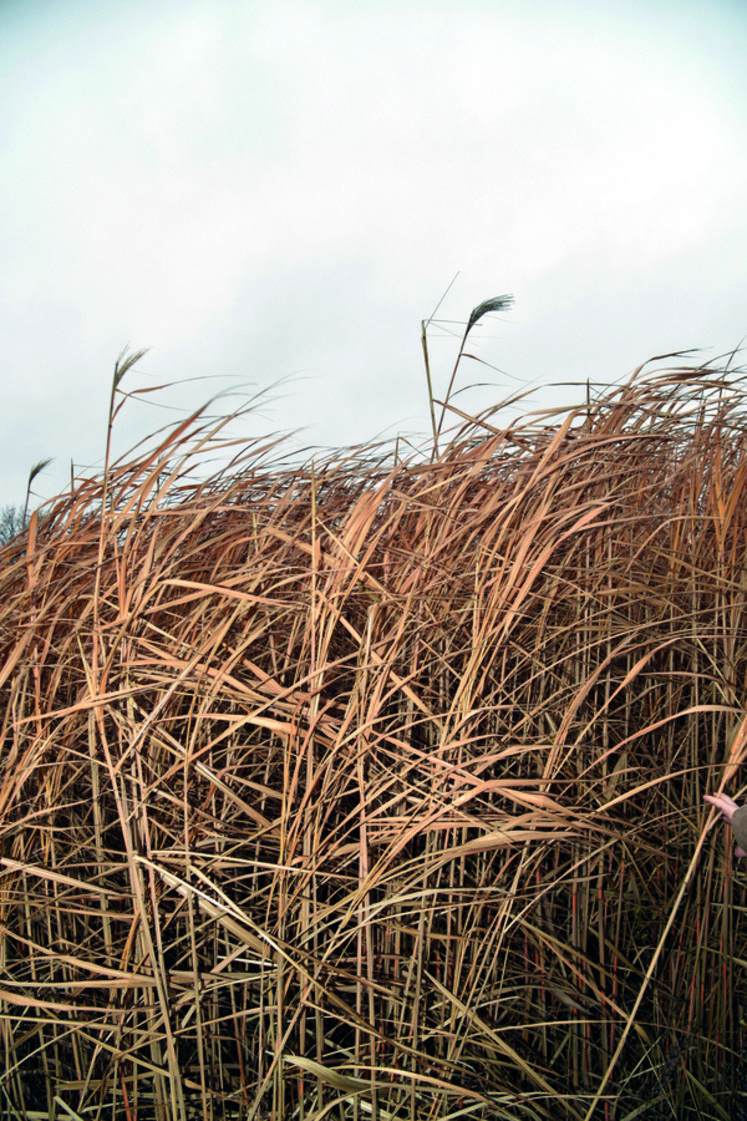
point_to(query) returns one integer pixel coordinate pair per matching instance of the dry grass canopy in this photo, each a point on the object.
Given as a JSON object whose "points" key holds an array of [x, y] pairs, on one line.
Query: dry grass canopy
{"points": [[370, 789]]}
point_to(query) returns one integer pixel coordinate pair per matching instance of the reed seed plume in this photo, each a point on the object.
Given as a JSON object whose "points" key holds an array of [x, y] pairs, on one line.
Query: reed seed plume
{"points": [[371, 788], [33, 473], [497, 303]]}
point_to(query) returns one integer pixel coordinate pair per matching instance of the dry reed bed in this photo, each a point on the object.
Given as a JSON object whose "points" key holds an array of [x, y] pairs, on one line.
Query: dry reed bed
{"points": [[369, 789]]}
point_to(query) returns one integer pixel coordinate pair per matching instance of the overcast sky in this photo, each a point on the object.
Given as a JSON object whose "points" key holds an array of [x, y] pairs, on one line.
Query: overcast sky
{"points": [[261, 191]]}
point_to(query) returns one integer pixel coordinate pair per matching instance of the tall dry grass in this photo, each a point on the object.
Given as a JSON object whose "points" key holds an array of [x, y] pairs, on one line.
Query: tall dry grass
{"points": [[369, 789]]}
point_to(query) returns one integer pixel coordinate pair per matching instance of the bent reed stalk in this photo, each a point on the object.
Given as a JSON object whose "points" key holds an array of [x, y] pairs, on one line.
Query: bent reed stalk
{"points": [[369, 789]]}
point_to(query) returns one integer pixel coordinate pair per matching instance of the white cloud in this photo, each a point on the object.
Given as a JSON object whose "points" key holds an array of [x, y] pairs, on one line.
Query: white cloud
{"points": [[270, 188]]}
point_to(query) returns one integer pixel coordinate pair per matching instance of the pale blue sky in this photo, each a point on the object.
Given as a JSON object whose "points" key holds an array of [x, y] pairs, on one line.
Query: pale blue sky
{"points": [[262, 190]]}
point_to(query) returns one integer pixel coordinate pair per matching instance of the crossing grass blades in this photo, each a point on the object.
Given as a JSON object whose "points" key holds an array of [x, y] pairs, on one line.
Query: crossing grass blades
{"points": [[372, 788]]}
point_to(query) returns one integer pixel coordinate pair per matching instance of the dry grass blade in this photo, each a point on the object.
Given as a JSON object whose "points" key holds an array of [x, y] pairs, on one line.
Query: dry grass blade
{"points": [[373, 789]]}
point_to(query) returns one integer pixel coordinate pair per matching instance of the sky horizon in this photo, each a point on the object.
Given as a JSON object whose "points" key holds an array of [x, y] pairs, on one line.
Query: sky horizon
{"points": [[276, 194]]}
